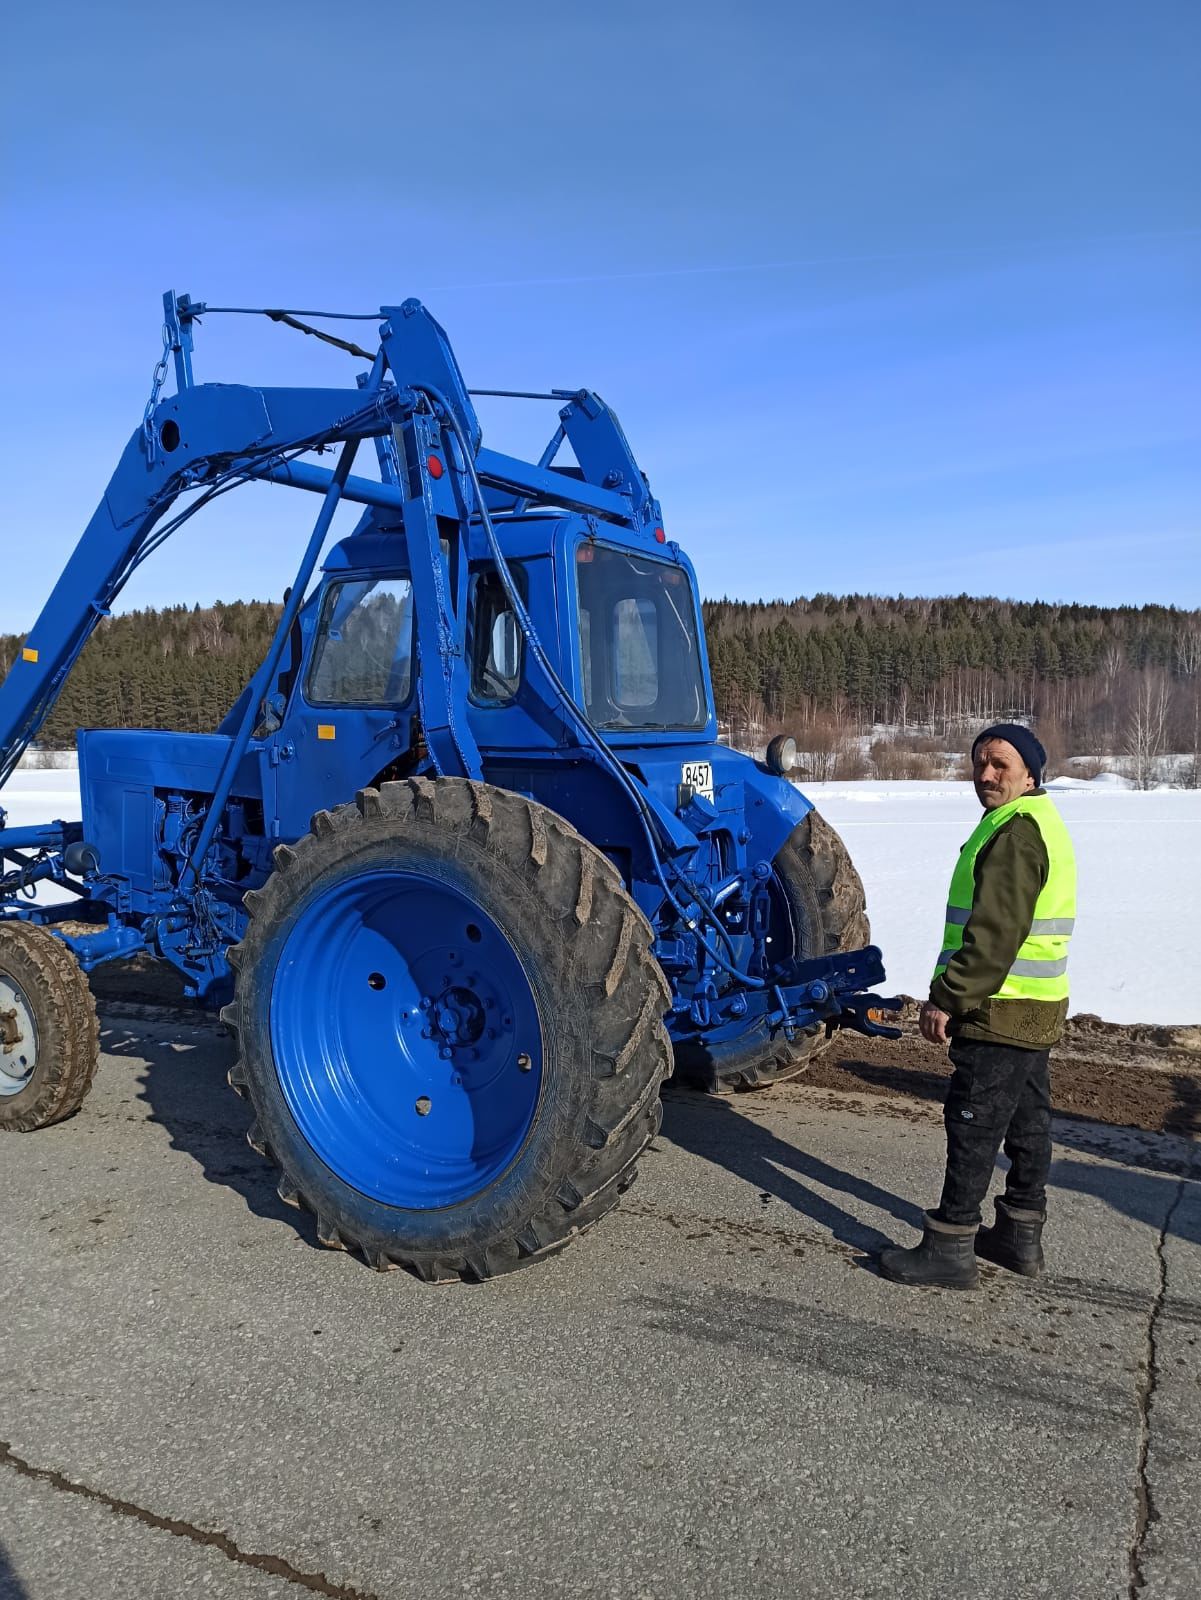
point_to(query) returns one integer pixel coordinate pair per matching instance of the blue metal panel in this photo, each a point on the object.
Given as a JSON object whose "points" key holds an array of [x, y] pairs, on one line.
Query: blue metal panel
{"points": [[164, 760], [122, 771]]}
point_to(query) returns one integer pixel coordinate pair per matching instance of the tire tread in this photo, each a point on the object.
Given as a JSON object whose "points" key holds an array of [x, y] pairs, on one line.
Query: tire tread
{"points": [[588, 910]]}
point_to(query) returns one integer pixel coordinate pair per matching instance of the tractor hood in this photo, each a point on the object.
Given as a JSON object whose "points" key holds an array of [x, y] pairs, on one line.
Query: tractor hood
{"points": [[710, 786]]}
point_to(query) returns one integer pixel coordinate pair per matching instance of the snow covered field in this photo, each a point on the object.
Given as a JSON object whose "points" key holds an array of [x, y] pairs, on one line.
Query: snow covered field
{"points": [[1136, 954]]}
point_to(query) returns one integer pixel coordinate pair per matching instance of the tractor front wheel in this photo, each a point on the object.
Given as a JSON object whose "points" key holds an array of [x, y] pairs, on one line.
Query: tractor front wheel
{"points": [[49, 1032], [819, 911], [450, 1028]]}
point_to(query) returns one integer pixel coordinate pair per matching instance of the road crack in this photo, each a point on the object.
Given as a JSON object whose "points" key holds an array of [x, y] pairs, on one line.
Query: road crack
{"points": [[1145, 1510], [276, 1566]]}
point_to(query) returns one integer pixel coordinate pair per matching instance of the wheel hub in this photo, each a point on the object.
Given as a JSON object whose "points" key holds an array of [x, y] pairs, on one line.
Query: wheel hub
{"points": [[458, 1016], [18, 1038], [407, 1038]]}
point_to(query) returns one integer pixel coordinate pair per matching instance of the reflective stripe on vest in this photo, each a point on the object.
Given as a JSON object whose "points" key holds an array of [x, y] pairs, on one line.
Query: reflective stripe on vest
{"points": [[1039, 971]]}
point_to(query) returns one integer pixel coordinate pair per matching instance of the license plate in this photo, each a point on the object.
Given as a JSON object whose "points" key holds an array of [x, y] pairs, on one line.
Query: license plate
{"points": [[698, 776]]}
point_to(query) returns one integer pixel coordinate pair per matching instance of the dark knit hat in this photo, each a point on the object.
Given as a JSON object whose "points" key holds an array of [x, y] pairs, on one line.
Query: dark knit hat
{"points": [[1023, 741]]}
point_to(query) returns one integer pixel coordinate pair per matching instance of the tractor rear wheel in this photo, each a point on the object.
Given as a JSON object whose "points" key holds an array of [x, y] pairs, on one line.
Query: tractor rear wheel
{"points": [[821, 909], [450, 1028], [49, 1031]]}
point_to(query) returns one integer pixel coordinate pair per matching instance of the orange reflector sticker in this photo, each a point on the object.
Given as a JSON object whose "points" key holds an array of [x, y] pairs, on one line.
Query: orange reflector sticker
{"points": [[29, 655], [325, 730]]}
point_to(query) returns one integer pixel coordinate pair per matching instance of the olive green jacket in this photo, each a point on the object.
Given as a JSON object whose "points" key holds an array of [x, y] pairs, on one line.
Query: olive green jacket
{"points": [[1010, 873]]}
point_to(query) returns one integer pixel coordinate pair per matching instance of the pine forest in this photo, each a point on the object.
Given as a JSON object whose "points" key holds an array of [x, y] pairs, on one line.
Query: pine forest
{"points": [[913, 673]]}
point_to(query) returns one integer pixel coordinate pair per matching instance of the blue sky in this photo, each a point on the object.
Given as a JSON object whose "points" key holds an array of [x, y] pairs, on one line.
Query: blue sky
{"points": [[901, 296]]}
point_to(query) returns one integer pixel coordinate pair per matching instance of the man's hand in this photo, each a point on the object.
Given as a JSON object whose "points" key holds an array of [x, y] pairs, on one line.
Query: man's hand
{"points": [[933, 1024]]}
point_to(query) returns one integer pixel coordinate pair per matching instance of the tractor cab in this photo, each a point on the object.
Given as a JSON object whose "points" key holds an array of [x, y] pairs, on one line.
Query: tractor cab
{"points": [[620, 625], [621, 628]]}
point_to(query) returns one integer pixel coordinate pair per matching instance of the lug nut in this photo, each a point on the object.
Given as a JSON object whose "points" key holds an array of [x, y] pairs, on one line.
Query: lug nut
{"points": [[445, 1052]]}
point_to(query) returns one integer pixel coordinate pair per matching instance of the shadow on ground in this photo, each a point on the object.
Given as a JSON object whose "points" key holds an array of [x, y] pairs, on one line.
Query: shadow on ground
{"points": [[1147, 1192], [713, 1129], [184, 1084], [1144, 1196], [11, 1587]]}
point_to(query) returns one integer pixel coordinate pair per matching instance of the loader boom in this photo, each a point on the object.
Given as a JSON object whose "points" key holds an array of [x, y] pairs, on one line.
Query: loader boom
{"points": [[210, 436]]}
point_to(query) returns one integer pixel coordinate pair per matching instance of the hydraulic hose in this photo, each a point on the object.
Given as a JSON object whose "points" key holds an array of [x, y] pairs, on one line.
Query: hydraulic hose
{"points": [[646, 817]]}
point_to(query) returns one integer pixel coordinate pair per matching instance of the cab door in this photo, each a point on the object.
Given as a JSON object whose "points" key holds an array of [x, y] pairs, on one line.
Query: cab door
{"points": [[351, 709]]}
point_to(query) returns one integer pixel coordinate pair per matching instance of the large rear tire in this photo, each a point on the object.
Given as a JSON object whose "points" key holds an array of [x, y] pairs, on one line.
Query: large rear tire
{"points": [[823, 910], [450, 1028], [49, 1031]]}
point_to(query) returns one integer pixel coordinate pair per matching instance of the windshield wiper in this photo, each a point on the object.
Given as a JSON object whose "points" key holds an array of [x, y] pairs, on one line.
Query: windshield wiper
{"points": [[642, 727]]}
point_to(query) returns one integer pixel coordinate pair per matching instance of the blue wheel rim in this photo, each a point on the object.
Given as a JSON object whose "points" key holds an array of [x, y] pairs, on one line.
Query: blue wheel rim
{"points": [[406, 1039]]}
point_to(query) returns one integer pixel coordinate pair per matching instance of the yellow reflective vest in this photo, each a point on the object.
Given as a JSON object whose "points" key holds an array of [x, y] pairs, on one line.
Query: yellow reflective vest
{"points": [[1039, 971]]}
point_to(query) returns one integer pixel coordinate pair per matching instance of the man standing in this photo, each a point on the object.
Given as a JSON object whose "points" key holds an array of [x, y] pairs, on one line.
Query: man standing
{"points": [[999, 998]]}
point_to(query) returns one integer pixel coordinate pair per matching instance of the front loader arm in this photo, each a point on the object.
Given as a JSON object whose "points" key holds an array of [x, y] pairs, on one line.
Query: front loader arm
{"points": [[203, 436], [209, 435]]}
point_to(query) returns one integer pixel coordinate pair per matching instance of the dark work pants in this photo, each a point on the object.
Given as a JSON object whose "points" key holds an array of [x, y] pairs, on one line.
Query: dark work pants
{"points": [[998, 1093]]}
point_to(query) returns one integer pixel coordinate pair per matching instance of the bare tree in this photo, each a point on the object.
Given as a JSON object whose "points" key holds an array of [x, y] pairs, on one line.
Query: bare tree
{"points": [[747, 718], [1187, 650], [1145, 726], [1112, 662]]}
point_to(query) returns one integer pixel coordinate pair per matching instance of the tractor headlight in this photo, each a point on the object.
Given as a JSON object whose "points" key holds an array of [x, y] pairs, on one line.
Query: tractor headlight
{"points": [[781, 755]]}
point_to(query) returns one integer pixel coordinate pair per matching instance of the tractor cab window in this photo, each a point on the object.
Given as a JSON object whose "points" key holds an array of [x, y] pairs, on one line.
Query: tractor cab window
{"points": [[495, 647], [363, 652], [639, 650]]}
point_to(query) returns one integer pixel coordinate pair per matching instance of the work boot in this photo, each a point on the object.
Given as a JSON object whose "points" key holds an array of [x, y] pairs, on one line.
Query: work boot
{"points": [[1015, 1240], [944, 1259]]}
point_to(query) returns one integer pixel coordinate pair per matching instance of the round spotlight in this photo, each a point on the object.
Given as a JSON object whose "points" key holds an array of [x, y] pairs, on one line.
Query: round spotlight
{"points": [[781, 754]]}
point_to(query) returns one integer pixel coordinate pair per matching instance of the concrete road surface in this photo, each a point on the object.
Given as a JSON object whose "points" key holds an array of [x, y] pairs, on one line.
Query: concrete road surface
{"points": [[708, 1395]]}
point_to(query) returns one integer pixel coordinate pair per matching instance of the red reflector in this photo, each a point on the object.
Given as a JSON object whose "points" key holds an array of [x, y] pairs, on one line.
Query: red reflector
{"points": [[660, 536], [435, 466]]}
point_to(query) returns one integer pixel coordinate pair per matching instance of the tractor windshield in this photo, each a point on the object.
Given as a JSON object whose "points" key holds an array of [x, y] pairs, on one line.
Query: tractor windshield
{"points": [[639, 653]]}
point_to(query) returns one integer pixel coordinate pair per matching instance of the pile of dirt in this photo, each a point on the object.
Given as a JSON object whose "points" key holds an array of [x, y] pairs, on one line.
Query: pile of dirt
{"points": [[1106, 1073]]}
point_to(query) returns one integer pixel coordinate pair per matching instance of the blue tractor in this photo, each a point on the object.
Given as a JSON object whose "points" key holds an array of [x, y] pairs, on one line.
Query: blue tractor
{"points": [[465, 866]]}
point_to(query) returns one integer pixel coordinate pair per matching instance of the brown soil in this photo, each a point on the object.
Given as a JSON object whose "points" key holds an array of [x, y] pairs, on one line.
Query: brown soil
{"points": [[1106, 1073]]}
